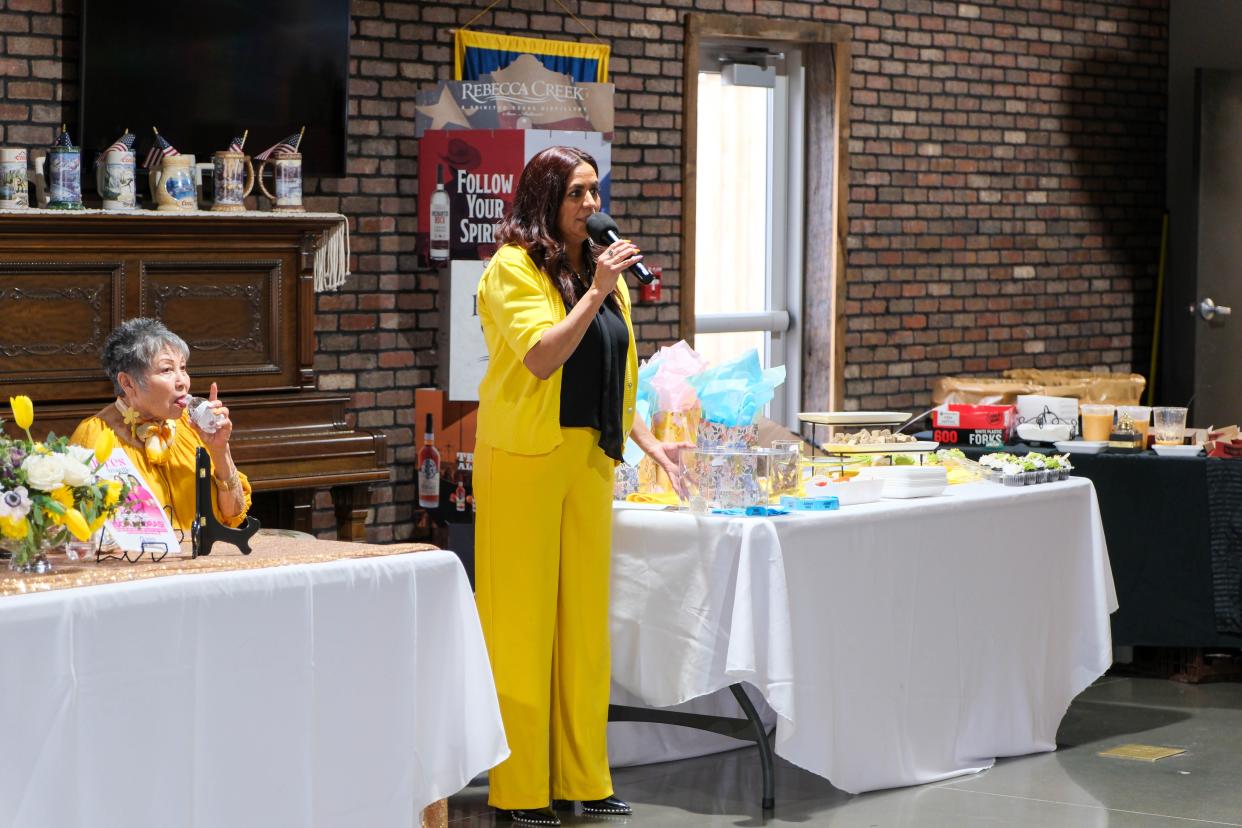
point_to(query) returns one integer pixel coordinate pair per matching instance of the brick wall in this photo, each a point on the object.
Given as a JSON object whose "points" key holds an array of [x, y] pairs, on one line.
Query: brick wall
{"points": [[1005, 188]]}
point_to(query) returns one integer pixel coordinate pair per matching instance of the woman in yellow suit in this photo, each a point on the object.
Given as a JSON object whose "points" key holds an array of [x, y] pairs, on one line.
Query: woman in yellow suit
{"points": [[555, 407]]}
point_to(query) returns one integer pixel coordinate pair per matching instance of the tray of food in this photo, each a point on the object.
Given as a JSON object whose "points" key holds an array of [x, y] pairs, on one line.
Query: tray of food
{"points": [[876, 441]]}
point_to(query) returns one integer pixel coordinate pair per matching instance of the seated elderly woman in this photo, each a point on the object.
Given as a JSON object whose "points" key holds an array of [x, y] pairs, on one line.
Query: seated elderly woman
{"points": [[147, 365]]}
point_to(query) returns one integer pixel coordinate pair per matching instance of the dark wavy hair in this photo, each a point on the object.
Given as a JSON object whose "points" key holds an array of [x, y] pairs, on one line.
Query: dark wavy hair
{"points": [[531, 221]]}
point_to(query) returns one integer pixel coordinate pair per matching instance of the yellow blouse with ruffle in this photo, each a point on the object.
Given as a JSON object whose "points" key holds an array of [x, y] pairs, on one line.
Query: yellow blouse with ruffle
{"points": [[172, 482]]}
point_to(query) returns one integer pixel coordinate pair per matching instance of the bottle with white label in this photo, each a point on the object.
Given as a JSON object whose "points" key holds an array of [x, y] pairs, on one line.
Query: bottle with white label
{"points": [[439, 214], [429, 470]]}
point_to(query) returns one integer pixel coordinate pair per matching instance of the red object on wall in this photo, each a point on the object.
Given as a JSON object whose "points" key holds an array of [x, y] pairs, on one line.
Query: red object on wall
{"points": [[651, 292]]}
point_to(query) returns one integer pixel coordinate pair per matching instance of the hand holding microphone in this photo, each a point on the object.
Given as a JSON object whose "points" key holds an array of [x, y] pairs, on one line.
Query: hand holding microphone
{"points": [[604, 232]]}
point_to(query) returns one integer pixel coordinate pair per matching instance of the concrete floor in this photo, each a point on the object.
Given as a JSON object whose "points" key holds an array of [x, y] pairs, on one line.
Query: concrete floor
{"points": [[1071, 788]]}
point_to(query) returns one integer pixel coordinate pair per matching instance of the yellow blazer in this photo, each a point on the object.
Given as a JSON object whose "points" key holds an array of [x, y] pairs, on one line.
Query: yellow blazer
{"points": [[517, 302], [173, 483]]}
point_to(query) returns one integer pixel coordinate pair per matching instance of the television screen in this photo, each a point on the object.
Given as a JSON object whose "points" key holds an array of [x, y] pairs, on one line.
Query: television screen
{"points": [[203, 72]]}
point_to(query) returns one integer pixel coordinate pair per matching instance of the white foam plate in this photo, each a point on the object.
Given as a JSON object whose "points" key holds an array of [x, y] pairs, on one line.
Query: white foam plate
{"points": [[1081, 446], [854, 417], [891, 491], [642, 507], [1043, 434], [1178, 451], [914, 475]]}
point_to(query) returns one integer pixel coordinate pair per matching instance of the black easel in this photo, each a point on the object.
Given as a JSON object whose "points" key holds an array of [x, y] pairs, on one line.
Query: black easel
{"points": [[206, 530]]}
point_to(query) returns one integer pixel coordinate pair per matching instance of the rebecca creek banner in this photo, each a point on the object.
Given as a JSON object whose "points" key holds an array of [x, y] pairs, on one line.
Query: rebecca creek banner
{"points": [[467, 179]]}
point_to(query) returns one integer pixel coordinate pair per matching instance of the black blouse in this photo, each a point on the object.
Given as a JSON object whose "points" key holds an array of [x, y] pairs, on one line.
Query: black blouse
{"points": [[593, 379]]}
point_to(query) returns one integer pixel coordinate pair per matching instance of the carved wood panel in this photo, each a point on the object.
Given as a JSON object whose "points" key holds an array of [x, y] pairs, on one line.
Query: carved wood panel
{"points": [[54, 317], [228, 312]]}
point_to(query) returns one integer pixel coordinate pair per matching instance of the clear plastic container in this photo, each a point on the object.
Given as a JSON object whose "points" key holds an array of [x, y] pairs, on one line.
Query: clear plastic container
{"points": [[719, 478], [203, 415]]}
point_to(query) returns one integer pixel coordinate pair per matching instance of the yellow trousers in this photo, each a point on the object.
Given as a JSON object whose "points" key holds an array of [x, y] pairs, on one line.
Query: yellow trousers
{"points": [[542, 544]]}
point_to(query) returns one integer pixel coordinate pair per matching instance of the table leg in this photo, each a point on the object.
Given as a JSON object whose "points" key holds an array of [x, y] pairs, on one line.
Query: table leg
{"points": [[749, 729], [761, 739]]}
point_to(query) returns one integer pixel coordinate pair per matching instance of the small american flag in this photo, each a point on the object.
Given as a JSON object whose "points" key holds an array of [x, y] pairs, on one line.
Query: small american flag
{"points": [[285, 146], [160, 150], [237, 143], [64, 140], [123, 144]]}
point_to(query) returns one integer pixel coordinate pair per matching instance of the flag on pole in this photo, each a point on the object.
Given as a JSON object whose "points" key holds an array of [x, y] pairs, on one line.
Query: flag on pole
{"points": [[64, 140], [238, 142], [123, 144], [160, 150], [285, 146]]}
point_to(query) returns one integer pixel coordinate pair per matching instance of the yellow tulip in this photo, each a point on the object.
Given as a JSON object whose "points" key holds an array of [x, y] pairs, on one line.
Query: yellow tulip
{"points": [[62, 495], [98, 523], [77, 524], [104, 444], [23, 411]]}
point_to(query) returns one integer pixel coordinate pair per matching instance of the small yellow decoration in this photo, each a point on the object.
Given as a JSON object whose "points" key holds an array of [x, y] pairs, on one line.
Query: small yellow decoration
{"points": [[1141, 753], [23, 411]]}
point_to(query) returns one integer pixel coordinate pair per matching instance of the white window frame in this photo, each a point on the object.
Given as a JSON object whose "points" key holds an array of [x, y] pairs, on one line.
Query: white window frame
{"points": [[786, 198]]}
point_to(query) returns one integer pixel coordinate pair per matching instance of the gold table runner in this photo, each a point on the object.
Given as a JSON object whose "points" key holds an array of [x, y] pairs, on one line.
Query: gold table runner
{"points": [[268, 551]]}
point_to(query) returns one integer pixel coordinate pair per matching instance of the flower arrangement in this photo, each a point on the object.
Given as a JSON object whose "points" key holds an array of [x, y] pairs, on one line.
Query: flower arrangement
{"points": [[51, 491]]}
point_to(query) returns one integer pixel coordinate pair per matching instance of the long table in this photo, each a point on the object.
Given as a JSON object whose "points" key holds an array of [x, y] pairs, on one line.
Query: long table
{"points": [[899, 642], [345, 692], [1171, 524]]}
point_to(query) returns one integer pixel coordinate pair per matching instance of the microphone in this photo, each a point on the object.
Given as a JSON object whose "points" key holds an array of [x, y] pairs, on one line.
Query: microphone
{"points": [[604, 232]]}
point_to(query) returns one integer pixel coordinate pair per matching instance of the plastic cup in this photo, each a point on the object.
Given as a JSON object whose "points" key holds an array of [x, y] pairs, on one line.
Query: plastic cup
{"points": [[1097, 421], [1140, 416], [1169, 425]]}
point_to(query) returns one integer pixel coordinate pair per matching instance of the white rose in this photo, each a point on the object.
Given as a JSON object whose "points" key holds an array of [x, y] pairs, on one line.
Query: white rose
{"points": [[82, 454], [76, 473], [44, 471]]}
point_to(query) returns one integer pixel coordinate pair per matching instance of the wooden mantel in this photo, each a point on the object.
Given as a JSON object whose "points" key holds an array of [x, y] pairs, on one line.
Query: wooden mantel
{"points": [[239, 288]]}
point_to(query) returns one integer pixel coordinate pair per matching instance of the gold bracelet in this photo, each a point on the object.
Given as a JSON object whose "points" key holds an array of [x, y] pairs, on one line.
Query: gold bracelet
{"points": [[231, 483]]}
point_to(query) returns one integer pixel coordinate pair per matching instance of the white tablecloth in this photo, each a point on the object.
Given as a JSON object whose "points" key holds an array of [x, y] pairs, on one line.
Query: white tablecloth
{"points": [[351, 693], [899, 642]]}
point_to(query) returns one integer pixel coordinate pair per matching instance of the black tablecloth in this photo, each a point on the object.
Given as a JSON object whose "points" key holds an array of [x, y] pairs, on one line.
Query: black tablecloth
{"points": [[1174, 532]]}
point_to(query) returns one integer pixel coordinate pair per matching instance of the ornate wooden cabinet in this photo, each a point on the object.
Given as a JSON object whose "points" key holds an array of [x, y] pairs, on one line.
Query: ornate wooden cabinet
{"points": [[239, 290]]}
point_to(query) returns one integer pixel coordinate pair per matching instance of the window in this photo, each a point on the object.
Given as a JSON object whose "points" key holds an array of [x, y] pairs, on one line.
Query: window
{"points": [[748, 241], [763, 218]]}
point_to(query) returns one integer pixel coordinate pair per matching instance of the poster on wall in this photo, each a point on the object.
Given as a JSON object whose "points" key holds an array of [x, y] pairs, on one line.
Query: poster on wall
{"points": [[467, 350], [467, 179]]}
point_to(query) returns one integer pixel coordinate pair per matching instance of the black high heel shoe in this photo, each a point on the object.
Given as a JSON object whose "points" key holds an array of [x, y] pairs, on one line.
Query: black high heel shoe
{"points": [[530, 816], [608, 806]]}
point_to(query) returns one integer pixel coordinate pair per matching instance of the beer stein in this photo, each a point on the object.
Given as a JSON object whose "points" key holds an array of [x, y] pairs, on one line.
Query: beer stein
{"points": [[172, 184], [59, 174], [114, 178], [286, 181], [13, 178], [234, 179]]}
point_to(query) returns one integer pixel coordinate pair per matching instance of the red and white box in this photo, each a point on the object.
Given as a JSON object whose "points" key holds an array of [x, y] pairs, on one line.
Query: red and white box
{"points": [[973, 425]]}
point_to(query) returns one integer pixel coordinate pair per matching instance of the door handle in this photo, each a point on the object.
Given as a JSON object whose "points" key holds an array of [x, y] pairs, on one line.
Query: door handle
{"points": [[1208, 310]]}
